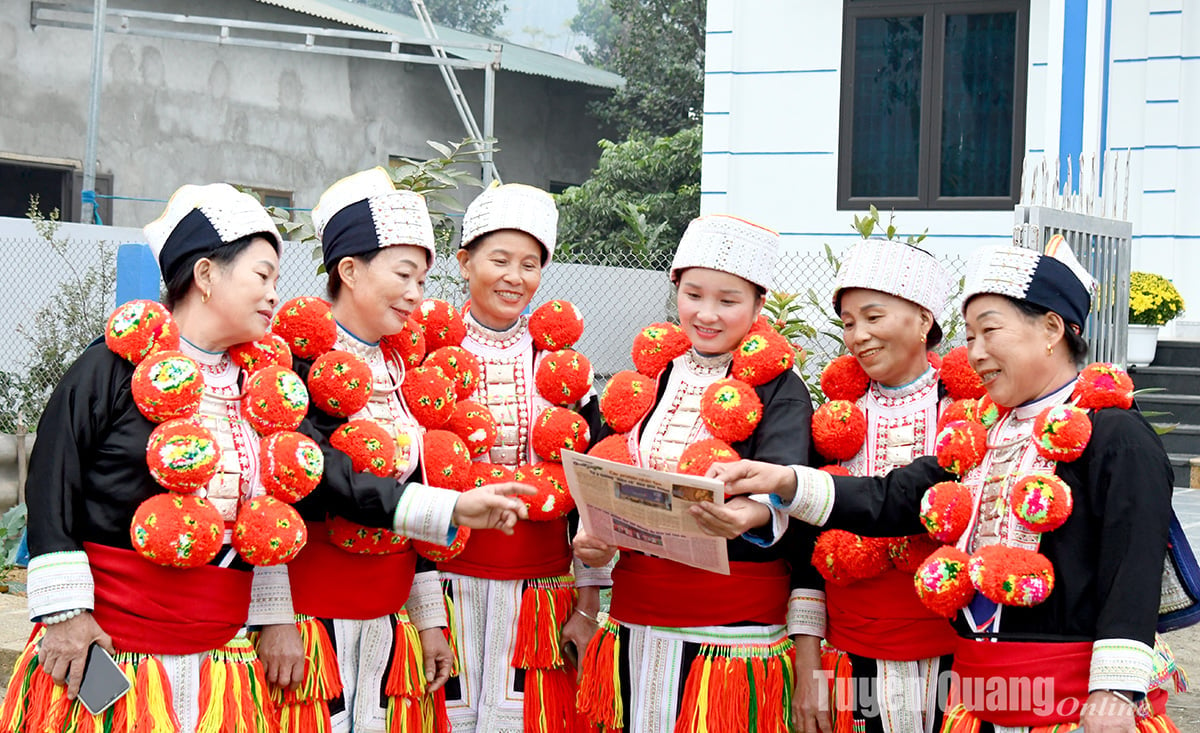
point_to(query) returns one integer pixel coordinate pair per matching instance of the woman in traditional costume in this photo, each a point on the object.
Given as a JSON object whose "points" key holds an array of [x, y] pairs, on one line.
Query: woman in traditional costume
{"points": [[1054, 500], [686, 649]]}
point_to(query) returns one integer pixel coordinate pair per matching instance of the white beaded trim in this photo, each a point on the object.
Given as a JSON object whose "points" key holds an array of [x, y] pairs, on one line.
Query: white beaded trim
{"points": [[58, 618]]}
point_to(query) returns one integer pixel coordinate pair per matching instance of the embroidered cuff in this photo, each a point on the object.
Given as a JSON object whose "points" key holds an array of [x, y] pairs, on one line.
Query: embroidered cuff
{"points": [[587, 576], [813, 502], [806, 613], [426, 604], [60, 581], [767, 535], [425, 512], [1121, 664], [270, 597]]}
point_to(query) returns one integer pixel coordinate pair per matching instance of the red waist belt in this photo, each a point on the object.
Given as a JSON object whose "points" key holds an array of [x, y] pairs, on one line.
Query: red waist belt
{"points": [[882, 618], [1022, 683], [152, 609], [328, 582], [533, 550], [654, 592]]}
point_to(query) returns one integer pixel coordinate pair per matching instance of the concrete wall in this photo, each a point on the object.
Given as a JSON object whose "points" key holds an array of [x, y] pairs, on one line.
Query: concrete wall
{"points": [[175, 112]]}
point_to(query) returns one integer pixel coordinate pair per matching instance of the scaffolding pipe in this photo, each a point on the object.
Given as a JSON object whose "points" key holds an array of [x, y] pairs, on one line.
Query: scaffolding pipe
{"points": [[87, 196], [489, 110]]}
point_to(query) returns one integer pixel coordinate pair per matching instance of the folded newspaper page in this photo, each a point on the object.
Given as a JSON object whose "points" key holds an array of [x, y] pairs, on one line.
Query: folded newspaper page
{"points": [[644, 510]]}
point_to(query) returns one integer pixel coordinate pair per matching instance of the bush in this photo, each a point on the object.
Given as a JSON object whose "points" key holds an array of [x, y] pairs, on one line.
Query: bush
{"points": [[1153, 300]]}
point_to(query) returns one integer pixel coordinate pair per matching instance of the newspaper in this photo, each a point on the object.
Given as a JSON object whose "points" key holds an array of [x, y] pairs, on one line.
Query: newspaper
{"points": [[644, 510]]}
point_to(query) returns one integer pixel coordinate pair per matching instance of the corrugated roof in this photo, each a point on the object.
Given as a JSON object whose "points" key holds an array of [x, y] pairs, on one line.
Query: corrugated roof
{"points": [[514, 57]]}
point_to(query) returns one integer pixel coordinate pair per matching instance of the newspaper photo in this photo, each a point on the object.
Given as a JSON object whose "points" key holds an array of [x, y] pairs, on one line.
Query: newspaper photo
{"points": [[644, 510]]}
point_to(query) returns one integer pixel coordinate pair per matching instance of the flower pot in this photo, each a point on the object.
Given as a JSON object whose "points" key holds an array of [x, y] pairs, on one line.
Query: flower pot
{"points": [[1143, 342]]}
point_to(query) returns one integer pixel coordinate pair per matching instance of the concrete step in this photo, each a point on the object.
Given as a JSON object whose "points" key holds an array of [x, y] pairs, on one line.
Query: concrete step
{"points": [[1177, 379], [1182, 408], [1182, 439], [1181, 464], [1177, 353]]}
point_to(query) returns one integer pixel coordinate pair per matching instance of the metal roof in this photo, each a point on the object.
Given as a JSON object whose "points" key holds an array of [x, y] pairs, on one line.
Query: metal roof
{"points": [[521, 59]]}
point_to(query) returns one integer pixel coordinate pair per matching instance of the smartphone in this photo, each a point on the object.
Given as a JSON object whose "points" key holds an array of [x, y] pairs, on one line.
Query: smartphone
{"points": [[103, 681], [570, 654]]}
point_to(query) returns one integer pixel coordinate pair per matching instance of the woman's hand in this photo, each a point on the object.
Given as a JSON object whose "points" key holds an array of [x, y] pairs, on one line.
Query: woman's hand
{"points": [[282, 654], [581, 626], [1104, 712], [494, 506], [592, 551], [63, 651], [810, 703], [732, 519], [753, 477], [439, 660]]}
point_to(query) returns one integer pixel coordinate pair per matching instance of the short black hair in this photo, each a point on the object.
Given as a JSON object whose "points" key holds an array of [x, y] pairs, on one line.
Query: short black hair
{"points": [[1077, 345], [333, 286], [178, 285]]}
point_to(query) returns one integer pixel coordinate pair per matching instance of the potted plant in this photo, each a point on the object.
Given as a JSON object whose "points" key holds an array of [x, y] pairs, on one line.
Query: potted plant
{"points": [[1153, 301]]}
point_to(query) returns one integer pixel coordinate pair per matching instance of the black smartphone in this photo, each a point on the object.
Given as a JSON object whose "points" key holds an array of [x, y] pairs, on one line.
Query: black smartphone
{"points": [[103, 681], [570, 654]]}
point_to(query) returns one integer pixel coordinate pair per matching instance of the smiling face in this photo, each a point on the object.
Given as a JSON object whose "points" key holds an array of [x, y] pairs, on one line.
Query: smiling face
{"points": [[1009, 350], [503, 270], [716, 309], [242, 295], [379, 294], [886, 335]]}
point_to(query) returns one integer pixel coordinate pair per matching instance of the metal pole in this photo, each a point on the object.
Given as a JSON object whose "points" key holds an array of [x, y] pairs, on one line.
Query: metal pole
{"points": [[489, 114], [88, 194]]}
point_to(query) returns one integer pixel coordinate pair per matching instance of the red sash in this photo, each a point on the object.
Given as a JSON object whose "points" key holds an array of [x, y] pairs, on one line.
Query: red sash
{"points": [[882, 618], [533, 550], [328, 582], [1022, 683], [654, 592], [152, 609]]}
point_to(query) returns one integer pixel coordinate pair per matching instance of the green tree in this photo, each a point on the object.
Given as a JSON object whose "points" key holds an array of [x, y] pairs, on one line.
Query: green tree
{"points": [[635, 206], [658, 46], [482, 17]]}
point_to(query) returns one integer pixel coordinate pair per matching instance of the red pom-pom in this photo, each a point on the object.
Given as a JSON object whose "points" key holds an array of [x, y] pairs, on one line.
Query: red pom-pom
{"points": [[409, 344], [340, 383], [177, 531], [447, 461], [268, 532], [1062, 432], [699, 456], [290, 465], [441, 553], [946, 510], [254, 355], [967, 409], [557, 429], [369, 446], [960, 379], [556, 325], [138, 328], [730, 409], [989, 413], [960, 446], [626, 399], [360, 540], [441, 323], [1012, 576], [614, 448], [306, 326], [1041, 501], [485, 474], [839, 428], [183, 455], [843, 557], [942, 582], [761, 357], [907, 553], [167, 385], [934, 359], [1103, 385], [429, 394], [473, 423], [275, 400], [834, 469], [657, 345], [844, 379], [459, 365], [564, 377], [553, 498]]}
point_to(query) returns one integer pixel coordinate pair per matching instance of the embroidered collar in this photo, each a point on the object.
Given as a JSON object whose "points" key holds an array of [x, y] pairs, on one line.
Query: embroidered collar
{"points": [[500, 339], [707, 366], [347, 341], [211, 362], [884, 394], [1057, 397]]}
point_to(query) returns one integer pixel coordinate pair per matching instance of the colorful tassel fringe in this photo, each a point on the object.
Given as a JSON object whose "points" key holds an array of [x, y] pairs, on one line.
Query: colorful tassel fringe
{"points": [[738, 688], [545, 607], [233, 692], [306, 708], [840, 674], [599, 698], [409, 709], [960, 720]]}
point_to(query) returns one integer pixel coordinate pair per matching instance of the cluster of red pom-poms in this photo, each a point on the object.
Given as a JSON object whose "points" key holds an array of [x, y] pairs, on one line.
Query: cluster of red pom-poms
{"points": [[556, 325], [966, 409], [275, 399], [553, 498], [907, 553], [1062, 432], [843, 557], [268, 532], [1011, 576], [699, 456], [459, 365], [138, 328], [946, 510], [943, 583], [730, 409], [473, 423], [441, 553], [1103, 385], [409, 344], [447, 461], [441, 323], [430, 396], [656, 346], [177, 531], [290, 465], [761, 357], [369, 446], [306, 325], [844, 379], [563, 377], [1041, 501], [960, 446], [167, 385], [183, 455], [626, 399], [557, 429], [254, 355], [614, 448], [340, 383], [959, 377], [360, 540], [839, 428]]}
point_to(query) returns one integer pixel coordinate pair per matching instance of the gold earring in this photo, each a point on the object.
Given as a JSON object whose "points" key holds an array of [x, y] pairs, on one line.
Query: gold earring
{"points": [[204, 298], [1049, 350], [922, 339]]}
